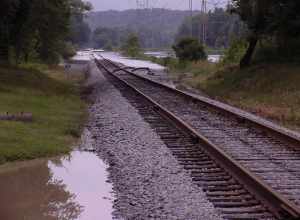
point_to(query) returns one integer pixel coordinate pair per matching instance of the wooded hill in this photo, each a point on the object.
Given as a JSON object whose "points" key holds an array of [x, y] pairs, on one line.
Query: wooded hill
{"points": [[160, 25], [158, 28], [158, 18]]}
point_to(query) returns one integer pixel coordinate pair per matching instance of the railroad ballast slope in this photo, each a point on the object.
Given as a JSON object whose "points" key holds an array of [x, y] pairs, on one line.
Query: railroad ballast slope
{"points": [[147, 179], [264, 148]]}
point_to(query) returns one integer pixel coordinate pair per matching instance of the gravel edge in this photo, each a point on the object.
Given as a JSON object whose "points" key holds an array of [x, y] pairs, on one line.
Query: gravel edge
{"points": [[147, 180]]}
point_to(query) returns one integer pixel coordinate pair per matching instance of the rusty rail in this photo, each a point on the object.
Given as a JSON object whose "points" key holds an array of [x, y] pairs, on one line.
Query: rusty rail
{"points": [[276, 203]]}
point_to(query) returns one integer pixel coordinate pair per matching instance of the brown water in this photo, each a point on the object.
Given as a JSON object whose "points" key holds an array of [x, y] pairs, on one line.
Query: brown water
{"points": [[68, 188]]}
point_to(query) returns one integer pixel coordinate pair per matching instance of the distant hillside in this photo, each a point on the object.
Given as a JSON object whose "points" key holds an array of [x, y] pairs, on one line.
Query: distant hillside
{"points": [[159, 18], [159, 28], [162, 24]]}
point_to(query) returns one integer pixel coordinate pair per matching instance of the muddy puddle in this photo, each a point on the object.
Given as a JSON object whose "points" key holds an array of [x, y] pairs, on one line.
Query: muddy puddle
{"points": [[70, 188]]}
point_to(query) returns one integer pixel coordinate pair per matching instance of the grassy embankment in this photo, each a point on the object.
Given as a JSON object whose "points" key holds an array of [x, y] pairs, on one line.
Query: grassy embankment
{"points": [[54, 101], [269, 90]]}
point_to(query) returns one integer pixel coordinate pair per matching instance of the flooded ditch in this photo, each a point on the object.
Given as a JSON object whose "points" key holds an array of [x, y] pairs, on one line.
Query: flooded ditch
{"points": [[65, 188]]}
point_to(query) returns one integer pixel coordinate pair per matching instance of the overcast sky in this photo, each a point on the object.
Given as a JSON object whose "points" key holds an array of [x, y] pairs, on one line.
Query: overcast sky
{"points": [[102, 5]]}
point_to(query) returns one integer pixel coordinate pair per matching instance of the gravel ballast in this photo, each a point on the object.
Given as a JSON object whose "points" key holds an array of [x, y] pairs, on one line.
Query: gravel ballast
{"points": [[147, 180]]}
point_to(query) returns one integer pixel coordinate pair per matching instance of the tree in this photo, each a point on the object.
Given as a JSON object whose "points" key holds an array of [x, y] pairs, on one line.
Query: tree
{"points": [[189, 49], [103, 36], [8, 10], [254, 14], [235, 52], [80, 31], [286, 27], [132, 46], [38, 27], [52, 35], [222, 25]]}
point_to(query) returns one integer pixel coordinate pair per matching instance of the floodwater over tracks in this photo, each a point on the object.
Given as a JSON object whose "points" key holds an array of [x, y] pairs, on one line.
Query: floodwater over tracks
{"points": [[72, 187]]}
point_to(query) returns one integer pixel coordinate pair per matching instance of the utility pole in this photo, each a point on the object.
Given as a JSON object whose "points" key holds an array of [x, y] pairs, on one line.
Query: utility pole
{"points": [[191, 11], [141, 4], [152, 30], [145, 11], [203, 32], [228, 6]]}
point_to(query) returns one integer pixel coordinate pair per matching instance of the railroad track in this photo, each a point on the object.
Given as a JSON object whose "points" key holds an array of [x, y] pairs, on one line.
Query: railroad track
{"points": [[248, 170]]}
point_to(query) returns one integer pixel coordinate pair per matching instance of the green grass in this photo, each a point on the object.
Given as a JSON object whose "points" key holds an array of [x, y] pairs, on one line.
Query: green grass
{"points": [[269, 90], [55, 104], [189, 73]]}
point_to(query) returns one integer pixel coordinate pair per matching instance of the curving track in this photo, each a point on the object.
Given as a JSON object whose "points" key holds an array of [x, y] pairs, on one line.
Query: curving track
{"points": [[248, 170]]}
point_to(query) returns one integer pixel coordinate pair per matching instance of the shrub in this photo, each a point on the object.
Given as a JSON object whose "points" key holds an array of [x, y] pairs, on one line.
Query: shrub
{"points": [[235, 52], [189, 49], [68, 51], [132, 46]]}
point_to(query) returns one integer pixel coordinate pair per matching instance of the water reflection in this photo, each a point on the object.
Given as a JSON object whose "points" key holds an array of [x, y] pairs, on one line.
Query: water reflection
{"points": [[71, 188]]}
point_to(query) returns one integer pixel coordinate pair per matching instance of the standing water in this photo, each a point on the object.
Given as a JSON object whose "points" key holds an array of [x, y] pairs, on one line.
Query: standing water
{"points": [[117, 57], [74, 187]]}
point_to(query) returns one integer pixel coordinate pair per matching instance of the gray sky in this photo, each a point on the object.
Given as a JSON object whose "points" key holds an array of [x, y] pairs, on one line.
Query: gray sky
{"points": [[102, 5]]}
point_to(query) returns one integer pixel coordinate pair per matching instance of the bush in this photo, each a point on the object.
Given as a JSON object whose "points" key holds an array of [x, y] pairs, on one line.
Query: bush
{"points": [[189, 49], [235, 52], [108, 46], [68, 51], [132, 46]]}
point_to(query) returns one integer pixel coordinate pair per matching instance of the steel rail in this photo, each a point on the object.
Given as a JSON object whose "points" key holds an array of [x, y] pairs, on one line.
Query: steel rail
{"points": [[286, 134], [276, 203]]}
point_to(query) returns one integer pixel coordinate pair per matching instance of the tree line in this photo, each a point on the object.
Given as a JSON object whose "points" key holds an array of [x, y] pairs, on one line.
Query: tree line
{"points": [[157, 34], [222, 27], [38, 29], [155, 28]]}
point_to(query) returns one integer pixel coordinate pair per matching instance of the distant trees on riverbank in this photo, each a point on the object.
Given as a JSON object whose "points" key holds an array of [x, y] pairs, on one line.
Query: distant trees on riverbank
{"points": [[161, 28]]}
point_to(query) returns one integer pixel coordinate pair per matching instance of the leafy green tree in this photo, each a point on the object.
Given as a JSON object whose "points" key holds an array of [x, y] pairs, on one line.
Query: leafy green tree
{"points": [[255, 14], [36, 27], [8, 10], [274, 22], [22, 32], [80, 31], [103, 36], [189, 49], [235, 52], [68, 50], [52, 28], [132, 46], [286, 27]]}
